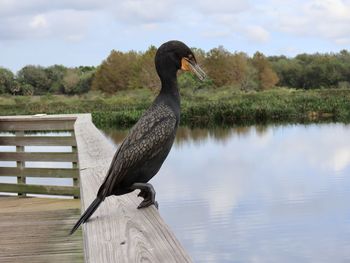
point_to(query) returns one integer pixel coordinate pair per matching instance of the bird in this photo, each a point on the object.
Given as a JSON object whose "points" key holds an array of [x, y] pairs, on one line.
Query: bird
{"points": [[148, 143]]}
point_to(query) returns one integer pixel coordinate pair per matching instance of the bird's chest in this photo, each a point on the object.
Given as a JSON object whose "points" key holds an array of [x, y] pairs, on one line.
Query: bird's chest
{"points": [[150, 165], [154, 161]]}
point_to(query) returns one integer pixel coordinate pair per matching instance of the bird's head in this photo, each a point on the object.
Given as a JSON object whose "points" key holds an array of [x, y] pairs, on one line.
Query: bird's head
{"points": [[175, 55]]}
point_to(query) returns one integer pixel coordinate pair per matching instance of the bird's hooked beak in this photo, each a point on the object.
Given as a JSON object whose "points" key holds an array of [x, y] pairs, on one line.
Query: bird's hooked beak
{"points": [[190, 65]]}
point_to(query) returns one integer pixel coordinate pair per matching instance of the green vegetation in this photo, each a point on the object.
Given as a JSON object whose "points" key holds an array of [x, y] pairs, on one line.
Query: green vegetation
{"points": [[36, 80], [240, 89], [200, 107], [134, 70]]}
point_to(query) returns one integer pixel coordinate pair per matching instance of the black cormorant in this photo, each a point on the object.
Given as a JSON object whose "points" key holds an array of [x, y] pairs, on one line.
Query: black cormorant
{"points": [[148, 143]]}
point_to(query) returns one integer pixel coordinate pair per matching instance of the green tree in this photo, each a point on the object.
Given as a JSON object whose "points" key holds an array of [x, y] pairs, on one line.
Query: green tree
{"points": [[25, 89], [7, 80], [70, 81], [250, 81], [55, 74], [77, 80], [35, 76], [85, 81]]}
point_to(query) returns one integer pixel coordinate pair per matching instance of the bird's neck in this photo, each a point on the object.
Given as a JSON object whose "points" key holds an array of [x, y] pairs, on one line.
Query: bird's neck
{"points": [[169, 87]]}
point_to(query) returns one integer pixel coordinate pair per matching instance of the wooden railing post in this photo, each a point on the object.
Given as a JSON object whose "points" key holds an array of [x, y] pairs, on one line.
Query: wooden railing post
{"points": [[75, 165], [20, 164]]}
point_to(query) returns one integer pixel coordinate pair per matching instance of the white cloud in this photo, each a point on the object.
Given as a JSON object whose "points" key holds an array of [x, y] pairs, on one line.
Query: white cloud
{"points": [[222, 6], [143, 11], [66, 24], [216, 33], [38, 22], [64, 18], [343, 41], [30, 7], [326, 19], [100, 25], [341, 159], [257, 34], [330, 9]]}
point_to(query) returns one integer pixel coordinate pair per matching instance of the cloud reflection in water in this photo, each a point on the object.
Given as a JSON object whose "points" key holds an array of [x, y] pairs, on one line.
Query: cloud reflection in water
{"points": [[258, 194]]}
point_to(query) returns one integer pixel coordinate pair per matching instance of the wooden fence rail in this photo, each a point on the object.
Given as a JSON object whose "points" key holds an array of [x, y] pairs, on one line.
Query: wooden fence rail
{"points": [[118, 231], [22, 132]]}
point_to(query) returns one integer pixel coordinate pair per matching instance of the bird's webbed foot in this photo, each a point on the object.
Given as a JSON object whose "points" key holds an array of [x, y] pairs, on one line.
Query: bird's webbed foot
{"points": [[147, 193]]}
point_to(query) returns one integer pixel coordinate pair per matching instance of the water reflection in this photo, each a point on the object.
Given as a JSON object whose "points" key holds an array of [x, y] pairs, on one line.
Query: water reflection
{"points": [[196, 135], [258, 194]]}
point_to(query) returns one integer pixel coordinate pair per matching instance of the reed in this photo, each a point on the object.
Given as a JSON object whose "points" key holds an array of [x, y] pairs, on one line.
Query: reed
{"points": [[202, 107]]}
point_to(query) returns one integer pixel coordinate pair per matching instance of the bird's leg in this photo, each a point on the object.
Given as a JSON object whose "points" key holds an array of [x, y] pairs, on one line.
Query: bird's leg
{"points": [[147, 192], [143, 194]]}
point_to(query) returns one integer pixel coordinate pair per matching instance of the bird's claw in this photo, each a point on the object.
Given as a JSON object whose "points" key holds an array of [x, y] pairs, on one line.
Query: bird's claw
{"points": [[147, 202], [143, 194], [147, 193]]}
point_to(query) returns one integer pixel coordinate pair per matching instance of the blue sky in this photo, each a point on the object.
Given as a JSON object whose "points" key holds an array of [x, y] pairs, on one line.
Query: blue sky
{"points": [[83, 32]]}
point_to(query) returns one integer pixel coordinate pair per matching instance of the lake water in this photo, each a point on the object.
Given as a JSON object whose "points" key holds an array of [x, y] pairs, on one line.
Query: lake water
{"points": [[258, 194], [250, 194]]}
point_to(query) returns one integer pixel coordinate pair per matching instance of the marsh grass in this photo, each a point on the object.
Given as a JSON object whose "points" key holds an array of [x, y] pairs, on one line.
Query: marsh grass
{"points": [[200, 107]]}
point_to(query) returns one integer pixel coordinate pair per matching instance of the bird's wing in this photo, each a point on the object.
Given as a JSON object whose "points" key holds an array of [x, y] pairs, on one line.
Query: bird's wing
{"points": [[144, 141]]}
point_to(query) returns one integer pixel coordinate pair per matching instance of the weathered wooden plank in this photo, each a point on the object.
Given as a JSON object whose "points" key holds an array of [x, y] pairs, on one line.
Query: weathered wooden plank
{"points": [[42, 117], [39, 156], [118, 231], [35, 230], [75, 165], [39, 189], [38, 140], [36, 125], [20, 164], [40, 172]]}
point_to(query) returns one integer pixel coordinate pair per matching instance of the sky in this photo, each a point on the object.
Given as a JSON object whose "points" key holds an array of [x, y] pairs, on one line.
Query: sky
{"points": [[83, 32]]}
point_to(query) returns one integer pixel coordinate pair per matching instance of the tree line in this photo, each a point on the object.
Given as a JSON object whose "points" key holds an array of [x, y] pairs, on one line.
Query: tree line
{"points": [[313, 71], [130, 70], [38, 80]]}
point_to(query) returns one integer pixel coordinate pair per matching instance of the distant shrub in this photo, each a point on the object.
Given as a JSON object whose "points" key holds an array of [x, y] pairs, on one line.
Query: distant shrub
{"points": [[343, 85]]}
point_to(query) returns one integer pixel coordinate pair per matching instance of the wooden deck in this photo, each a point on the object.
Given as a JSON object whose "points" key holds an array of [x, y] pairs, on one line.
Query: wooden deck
{"points": [[36, 230]]}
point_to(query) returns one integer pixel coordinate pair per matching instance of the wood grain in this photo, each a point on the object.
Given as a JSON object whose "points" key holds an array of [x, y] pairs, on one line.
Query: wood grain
{"points": [[35, 230], [38, 140], [39, 156], [39, 189], [40, 172], [118, 231], [39, 124]]}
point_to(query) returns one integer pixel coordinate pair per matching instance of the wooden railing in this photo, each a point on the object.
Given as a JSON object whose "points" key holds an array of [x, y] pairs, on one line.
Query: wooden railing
{"points": [[20, 131], [117, 231]]}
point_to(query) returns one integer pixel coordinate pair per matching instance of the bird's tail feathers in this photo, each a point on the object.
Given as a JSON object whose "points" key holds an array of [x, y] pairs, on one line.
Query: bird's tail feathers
{"points": [[88, 212]]}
